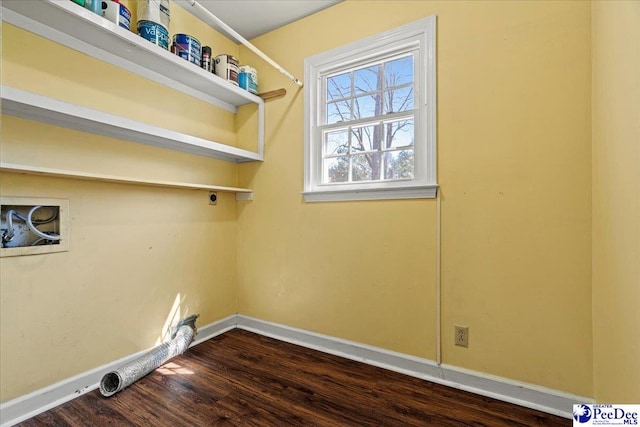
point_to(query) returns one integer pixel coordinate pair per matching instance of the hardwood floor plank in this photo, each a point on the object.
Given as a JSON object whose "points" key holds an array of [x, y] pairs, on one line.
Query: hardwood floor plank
{"points": [[243, 379]]}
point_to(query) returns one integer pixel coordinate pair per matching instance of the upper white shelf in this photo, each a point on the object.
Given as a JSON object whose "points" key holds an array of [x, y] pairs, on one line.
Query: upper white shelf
{"points": [[71, 25], [31, 106]]}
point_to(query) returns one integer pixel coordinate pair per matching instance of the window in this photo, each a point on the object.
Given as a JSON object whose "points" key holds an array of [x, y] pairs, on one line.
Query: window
{"points": [[370, 118]]}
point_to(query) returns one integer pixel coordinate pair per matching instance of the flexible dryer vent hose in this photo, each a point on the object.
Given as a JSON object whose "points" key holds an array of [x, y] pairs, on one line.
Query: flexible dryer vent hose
{"points": [[131, 372]]}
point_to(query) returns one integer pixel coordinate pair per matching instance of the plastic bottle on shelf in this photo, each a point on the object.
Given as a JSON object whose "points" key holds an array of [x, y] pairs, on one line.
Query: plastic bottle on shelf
{"points": [[94, 5], [155, 11]]}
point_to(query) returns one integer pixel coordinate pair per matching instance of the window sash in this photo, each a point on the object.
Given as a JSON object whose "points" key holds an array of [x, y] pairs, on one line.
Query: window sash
{"points": [[412, 50], [321, 156]]}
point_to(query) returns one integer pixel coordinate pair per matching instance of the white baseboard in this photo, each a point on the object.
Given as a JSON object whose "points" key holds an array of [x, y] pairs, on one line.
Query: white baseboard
{"points": [[523, 394], [214, 329], [32, 404]]}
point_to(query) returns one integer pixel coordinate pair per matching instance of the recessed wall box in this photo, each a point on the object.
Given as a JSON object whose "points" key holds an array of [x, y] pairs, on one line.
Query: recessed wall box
{"points": [[32, 226]]}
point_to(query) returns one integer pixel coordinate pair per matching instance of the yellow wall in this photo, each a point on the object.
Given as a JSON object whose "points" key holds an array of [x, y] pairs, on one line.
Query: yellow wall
{"points": [[514, 165], [138, 255], [515, 151], [616, 204]]}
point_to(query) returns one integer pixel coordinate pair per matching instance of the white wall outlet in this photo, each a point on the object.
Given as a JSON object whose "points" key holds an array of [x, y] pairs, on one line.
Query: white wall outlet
{"points": [[461, 336]]}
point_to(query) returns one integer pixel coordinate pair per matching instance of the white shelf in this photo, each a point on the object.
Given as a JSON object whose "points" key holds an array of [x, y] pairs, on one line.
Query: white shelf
{"points": [[71, 25], [241, 193], [30, 106]]}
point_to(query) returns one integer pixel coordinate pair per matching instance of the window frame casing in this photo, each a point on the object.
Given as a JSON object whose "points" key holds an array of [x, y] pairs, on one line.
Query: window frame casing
{"points": [[419, 36]]}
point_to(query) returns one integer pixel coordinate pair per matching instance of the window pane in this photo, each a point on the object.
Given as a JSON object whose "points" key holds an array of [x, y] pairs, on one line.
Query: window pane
{"points": [[365, 138], [336, 169], [339, 86], [398, 164], [399, 100], [367, 106], [365, 167], [367, 79], [398, 134], [338, 111], [336, 142], [399, 71]]}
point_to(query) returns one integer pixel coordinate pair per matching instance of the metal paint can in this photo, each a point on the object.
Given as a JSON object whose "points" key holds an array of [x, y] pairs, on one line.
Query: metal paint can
{"points": [[187, 47], [154, 32], [227, 68], [248, 78], [117, 13]]}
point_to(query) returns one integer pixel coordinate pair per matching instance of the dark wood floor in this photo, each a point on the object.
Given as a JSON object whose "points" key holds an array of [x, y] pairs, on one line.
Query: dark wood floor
{"points": [[244, 379]]}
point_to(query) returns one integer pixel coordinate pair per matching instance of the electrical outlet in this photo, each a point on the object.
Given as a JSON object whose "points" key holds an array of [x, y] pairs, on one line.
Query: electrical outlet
{"points": [[461, 336], [213, 198]]}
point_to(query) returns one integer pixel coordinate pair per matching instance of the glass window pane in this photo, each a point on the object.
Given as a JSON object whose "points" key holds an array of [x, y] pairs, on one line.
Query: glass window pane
{"points": [[398, 134], [399, 71], [399, 100], [398, 164], [365, 138], [336, 169], [367, 106], [338, 111], [336, 142], [339, 86], [365, 167], [367, 79]]}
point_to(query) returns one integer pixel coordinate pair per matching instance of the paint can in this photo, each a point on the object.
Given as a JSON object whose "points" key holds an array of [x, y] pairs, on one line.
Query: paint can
{"points": [[187, 47], [227, 68], [117, 13], [155, 11], [248, 78], [154, 32]]}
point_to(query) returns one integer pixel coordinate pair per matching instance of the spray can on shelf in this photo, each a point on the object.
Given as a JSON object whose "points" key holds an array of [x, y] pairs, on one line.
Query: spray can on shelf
{"points": [[206, 63]]}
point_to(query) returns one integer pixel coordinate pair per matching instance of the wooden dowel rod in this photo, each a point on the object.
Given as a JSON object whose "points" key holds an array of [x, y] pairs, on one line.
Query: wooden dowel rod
{"points": [[273, 94]]}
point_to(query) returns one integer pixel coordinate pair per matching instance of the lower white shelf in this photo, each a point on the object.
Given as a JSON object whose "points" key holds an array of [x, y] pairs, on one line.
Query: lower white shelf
{"points": [[241, 193], [31, 106]]}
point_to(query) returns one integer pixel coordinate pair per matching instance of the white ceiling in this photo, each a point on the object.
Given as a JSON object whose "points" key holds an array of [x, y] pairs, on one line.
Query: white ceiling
{"points": [[252, 18]]}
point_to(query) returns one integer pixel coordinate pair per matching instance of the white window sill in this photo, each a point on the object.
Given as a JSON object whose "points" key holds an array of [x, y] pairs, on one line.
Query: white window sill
{"points": [[421, 192]]}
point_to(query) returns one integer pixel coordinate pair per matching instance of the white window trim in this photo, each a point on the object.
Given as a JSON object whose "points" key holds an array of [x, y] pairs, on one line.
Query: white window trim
{"points": [[421, 33]]}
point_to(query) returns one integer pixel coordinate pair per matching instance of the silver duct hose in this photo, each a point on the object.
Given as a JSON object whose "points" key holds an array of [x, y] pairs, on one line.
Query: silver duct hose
{"points": [[131, 372]]}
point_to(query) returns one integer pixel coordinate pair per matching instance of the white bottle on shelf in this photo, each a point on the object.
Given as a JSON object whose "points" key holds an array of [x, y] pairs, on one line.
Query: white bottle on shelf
{"points": [[155, 11]]}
